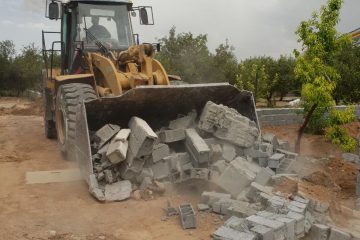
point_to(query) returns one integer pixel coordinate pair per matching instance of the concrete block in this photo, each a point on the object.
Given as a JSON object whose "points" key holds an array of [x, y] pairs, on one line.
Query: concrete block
{"points": [[170, 136], [240, 209], [104, 134], [117, 150], [272, 139], [279, 228], [160, 151], [263, 162], [118, 191], [183, 122], [203, 207], [288, 154], [145, 173], [275, 160], [350, 157], [290, 226], [284, 145], [302, 200], [187, 216], [228, 152], [238, 224], [161, 169], [135, 163], [211, 197], [196, 146], [277, 205], [337, 234], [142, 137], [227, 124], [319, 232], [109, 176], [318, 206], [178, 161], [256, 189], [264, 176], [309, 221], [263, 233], [300, 222], [227, 233], [219, 166], [236, 177], [296, 206], [221, 206], [267, 147], [256, 153], [215, 152], [122, 135]]}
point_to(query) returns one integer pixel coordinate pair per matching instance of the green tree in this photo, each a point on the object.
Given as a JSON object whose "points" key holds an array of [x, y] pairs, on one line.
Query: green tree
{"points": [[225, 63], [286, 77], [320, 43]]}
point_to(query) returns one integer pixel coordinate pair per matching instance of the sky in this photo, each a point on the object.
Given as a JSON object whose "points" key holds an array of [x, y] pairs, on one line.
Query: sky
{"points": [[253, 27]]}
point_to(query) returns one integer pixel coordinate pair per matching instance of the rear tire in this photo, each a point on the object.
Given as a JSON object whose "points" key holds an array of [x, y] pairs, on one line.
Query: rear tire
{"points": [[68, 99]]}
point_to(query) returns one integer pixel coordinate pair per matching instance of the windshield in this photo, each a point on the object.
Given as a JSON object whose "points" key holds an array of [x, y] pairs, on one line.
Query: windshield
{"points": [[110, 25]]}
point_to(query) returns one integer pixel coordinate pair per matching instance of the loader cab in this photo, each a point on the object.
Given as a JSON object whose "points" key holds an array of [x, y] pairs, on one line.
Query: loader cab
{"points": [[85, 24]]}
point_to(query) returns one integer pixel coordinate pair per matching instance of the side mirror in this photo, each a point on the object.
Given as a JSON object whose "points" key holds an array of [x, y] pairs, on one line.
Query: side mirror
{"points": [[54, 11], [145, 14], [144, 18]]}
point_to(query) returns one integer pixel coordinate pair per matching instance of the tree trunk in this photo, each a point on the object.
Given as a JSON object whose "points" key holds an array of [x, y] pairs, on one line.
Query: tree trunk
{"points": [[302, 128]]}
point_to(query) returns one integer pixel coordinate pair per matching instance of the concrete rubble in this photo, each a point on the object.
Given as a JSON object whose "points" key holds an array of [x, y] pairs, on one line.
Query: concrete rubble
{"points": [[220, 146]]}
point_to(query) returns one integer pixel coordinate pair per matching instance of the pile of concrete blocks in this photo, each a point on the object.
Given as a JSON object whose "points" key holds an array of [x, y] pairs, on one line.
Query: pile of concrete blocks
{"points": [[218, 145]]}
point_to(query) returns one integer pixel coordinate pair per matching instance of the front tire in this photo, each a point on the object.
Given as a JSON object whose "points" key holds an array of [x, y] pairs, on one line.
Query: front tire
{"points": [[68, 98]]}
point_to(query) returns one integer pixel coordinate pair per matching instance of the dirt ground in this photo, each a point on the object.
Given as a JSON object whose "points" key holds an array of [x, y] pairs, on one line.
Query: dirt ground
{"points": [[35, 211]]}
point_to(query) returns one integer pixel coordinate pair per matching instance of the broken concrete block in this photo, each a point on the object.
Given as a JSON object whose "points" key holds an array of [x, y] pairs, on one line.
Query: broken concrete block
{"points": [[236, 177], [161, 169], [142, 137], [272, 139], [263, 233], [203, 207], [275, 160], [264, 176], [215, 152], [187, 216], [318, 206], [309, 221], [109, 176], [227, 233], [170, 136], [160, 151], [178, 161], [267, 147], [256, 153], [183, 122], [117, 150], [227, 124], [300, 223], [122, 135], [319, 232], [211, 197], [228, 152], [118, 191], [302, 200], [104, 134], [219, 166], [337, 234], [145, 173], [196, 146]]}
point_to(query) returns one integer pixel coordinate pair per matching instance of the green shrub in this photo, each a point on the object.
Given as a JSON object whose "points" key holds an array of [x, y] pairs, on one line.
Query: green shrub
{"points": [[338, 117], [341, 137]]}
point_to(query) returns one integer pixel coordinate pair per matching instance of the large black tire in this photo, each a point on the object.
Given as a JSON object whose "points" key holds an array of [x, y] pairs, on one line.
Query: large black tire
{"points": [[68, 99]]}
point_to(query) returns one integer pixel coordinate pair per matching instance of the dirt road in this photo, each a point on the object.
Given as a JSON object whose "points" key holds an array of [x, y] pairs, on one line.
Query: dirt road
{"points": [[32, 211]]}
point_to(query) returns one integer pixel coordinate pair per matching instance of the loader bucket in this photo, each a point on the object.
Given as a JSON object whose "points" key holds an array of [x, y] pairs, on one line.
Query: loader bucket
{"points": [[157, 105]]}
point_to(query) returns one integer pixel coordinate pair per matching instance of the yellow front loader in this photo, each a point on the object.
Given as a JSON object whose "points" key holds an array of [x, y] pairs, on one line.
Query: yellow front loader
{"points": [[103, 75]]}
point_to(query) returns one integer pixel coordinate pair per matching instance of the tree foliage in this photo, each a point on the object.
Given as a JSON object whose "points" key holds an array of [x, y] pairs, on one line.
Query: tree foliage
{"points": [[19, 72], [188, 56]]}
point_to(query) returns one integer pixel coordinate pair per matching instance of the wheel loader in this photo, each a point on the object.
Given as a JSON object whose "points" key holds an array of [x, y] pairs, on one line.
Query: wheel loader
{"points": [[97, 73]]}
